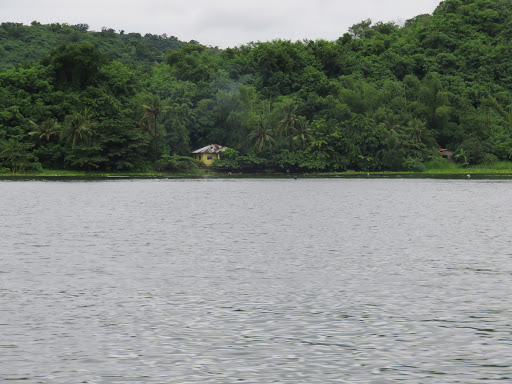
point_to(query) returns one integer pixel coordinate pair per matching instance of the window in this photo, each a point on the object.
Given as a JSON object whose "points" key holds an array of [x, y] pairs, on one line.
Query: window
{"points": [[209, 158]]}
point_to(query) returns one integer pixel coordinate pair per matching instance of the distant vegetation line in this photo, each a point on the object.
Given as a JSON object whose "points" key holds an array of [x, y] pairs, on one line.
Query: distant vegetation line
{"points": [[25, 44], [382, 97]]}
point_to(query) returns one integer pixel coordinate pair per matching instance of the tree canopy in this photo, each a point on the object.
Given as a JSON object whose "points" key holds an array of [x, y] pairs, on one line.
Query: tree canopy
{"points": [[381, 97]]}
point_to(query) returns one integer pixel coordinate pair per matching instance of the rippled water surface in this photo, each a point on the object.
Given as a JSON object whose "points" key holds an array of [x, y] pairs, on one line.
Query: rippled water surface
{"points": [[256, 281]]}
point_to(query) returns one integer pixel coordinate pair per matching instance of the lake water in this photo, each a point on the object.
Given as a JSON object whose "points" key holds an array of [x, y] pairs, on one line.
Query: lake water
{"points": [[256, 281]]}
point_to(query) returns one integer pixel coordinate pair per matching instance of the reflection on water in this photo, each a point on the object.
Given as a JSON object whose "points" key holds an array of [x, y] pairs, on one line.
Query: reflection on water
{"points": [[256, 281]]}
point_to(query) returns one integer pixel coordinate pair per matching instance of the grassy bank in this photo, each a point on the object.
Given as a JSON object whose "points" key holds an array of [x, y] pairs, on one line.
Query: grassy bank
{"points": [[436, 167], [431, 169], [67, 173]]}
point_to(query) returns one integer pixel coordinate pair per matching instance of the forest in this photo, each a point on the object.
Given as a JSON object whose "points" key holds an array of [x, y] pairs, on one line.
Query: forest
{"points": [[382, 97]]}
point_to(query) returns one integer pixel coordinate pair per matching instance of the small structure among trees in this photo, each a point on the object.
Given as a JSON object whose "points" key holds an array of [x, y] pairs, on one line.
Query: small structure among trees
{"points": [[208, 154], [446, 154]]}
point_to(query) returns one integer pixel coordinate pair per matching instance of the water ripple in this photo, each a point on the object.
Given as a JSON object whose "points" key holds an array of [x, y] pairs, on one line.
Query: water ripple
{"points": [[260, 281]]}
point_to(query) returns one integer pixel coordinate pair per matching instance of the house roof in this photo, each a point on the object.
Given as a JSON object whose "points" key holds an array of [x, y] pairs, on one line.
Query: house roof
{"points": [[212, 148]]}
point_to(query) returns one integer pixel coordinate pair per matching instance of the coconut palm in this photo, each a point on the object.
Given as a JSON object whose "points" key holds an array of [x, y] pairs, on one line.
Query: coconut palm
{"points": [[392, 124], [78, 128], [286, 125], [302, 132], [261, 137], [46, 129], [153, 108], [417, 129]]}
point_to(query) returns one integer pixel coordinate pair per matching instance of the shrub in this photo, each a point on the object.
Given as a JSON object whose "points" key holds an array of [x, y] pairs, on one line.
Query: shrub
{"points": [[439, 163], [413, 165], [228, 160], [252, 162], [36, 167], [489, 159], [226, 163], [175, 162], [472, 151], [502, 150]]}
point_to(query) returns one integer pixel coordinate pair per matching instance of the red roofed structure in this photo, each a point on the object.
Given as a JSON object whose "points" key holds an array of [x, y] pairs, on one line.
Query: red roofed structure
{"points": [[446, 154], [208, 154]]}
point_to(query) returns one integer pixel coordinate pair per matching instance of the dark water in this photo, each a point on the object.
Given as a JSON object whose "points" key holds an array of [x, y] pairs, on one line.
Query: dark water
{"points": [[256, 281]]}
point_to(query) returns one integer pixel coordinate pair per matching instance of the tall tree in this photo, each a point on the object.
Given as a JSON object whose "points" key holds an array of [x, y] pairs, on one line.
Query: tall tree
{"points": [[153, 108], [78, 128], [15, 155], [287, 123], [302, 131], [46, 129], [262, 137]]}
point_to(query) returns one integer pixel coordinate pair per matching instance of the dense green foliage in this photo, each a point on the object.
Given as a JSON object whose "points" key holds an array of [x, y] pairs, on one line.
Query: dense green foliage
{"points": [[381, 97], [26, 44]]}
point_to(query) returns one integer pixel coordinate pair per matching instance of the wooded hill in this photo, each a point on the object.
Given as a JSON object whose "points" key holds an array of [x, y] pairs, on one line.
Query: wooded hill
{"points": [[381, 97], [20, 44]]}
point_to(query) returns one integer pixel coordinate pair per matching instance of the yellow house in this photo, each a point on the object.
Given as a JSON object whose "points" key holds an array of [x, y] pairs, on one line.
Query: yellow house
{"points": [[208, 154]]}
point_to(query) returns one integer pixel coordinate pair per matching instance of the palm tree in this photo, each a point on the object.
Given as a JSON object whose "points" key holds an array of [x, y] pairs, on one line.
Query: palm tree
{"points": [[152, 109], [46, 129], [392, 124], [78, 128], [287, 123], [261, 137], [417, 129], [302, 132]]}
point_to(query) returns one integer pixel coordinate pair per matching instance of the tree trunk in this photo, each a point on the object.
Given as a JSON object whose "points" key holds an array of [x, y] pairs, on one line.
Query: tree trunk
{"points": [[156, 140]]}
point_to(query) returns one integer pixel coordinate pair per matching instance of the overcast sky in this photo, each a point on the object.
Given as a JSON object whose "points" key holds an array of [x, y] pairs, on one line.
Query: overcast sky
{"points": [[223, 23]]}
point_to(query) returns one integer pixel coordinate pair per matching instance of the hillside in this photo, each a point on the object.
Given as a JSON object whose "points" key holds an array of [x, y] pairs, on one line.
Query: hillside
{"points": [[20, 43], [381, 97]]}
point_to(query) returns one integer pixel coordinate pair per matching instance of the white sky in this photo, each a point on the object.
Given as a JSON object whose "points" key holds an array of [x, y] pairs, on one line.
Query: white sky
{"points": [[223, 23]]}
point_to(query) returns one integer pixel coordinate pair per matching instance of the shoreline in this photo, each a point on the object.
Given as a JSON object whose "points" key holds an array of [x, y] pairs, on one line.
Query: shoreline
{"points": [[479, 173]]}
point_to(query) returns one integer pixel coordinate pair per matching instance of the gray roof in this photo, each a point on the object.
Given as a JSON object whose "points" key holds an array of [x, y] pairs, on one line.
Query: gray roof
{"points": [[212, 148]]}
